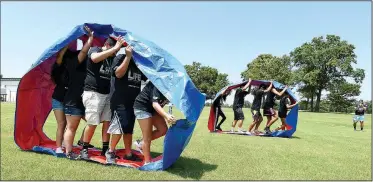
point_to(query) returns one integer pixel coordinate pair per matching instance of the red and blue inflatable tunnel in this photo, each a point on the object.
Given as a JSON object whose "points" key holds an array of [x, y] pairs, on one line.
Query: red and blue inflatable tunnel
{"points": [[161, 68], [291, 119]]}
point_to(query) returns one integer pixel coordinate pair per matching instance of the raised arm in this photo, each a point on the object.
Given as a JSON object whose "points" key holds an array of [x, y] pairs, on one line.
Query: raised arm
{"points": [[100, 56], [60, 55], [291, 106], [269, 88], [83, 53], [247, 84], [122, 68], [277, 93]]}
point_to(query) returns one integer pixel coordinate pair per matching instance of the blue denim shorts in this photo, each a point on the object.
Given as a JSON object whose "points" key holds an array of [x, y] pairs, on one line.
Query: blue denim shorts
{"points": [[57, 105], [359, 118], [73, 111], [142, 114]]}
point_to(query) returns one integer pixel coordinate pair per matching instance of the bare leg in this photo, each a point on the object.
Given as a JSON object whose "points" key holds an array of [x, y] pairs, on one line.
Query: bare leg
{"points": [[61, 125]]}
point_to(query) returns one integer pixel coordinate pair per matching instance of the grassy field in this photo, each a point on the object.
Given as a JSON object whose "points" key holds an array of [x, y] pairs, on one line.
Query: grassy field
{"points": [[324, 147]]}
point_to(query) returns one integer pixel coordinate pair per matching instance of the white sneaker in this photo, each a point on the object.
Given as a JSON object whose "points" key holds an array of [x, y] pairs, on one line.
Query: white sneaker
{"points": [[248, 133], [240, 131], [59, 150]]}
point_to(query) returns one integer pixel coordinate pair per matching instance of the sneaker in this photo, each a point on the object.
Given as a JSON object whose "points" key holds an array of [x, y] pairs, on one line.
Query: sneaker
{"points": [[267, 130], [72, 156], [138, 145], [110, 157], [59, 150], [84, 154], [80, 143], [248, 133], [240, 131], [232, 131], [132, 158], [219, 129]]}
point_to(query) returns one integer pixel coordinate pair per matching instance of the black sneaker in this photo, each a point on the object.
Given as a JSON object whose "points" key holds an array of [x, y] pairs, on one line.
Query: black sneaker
{"points": [[84, 154], [80, 143], [72, 156], [267, 130], [132, 158], [110, 157]]}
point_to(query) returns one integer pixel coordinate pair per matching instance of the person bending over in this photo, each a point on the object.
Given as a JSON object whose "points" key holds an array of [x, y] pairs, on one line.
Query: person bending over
{"points": [[283, 110], [359, 114], [126, 83], [255, 108], [149, 112], [269, 110], [238, 103], [96, 98]]}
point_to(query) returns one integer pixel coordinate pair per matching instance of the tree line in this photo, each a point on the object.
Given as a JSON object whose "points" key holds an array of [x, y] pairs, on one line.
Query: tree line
{"points": [[321, 71]]}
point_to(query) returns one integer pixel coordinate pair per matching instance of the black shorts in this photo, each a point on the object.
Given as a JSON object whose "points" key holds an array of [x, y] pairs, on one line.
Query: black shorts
{"points": [[238, 113], [256, 114], [282, 114], [122, 121], [268, 112]]}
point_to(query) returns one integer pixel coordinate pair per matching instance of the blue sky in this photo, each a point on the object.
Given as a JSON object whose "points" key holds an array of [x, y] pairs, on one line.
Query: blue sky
{"points": [[224, 35]]}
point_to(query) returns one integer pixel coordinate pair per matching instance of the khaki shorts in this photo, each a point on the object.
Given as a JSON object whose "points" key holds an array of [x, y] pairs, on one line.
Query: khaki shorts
{"points": [[97, 107]]}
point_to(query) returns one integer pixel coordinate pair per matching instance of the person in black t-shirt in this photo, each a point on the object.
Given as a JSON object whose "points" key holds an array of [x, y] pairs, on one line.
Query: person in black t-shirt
{"points": [[359, 114], [74, 109], [149, 112], [219, 112], [239, 99], [255, 107], [96, 97], [268, 109], [60, 78], [283, 110], [126, 83]]}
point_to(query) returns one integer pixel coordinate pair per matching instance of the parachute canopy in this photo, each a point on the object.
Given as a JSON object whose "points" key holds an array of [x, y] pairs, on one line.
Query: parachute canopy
{"points": [[161, 68]]}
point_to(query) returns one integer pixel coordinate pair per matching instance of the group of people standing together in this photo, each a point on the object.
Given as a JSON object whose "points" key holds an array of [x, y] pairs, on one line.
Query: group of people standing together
{"points": [[263, 93], [99, 86]]}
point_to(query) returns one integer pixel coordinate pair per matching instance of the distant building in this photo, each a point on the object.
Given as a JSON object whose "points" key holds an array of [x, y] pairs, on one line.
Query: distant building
{"points": [[9, 88]]}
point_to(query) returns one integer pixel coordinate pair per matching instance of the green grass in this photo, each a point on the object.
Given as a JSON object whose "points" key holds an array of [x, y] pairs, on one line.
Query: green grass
{"points": [[325, 147]]}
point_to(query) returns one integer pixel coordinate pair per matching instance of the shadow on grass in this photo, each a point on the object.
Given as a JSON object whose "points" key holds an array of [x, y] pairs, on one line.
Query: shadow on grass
{"points": [[190, 168], [295, 137]]}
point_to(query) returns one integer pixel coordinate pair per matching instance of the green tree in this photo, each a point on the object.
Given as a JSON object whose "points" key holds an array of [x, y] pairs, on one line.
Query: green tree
{"points": [[207, 79], [269, 67], [341, 96], [324, 62]]}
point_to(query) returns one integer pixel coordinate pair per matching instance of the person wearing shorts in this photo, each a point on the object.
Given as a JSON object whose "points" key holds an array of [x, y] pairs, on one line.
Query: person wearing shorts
{"points": [[60, 78], [269, 110], [148, 109], [73, 104], [359, 114], [283, 110], [126, 83], [96, 98], [255, 107], [238, 103]]}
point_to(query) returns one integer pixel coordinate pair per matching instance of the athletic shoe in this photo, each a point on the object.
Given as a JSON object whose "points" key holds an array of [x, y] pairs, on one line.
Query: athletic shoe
{"points": [[138, 145], [59, 150], [84, 154], [132, 158], [240, 131], [81, 144], [110, 157], [267, 130], [219, 129], [72, 156], [248, 133]]}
